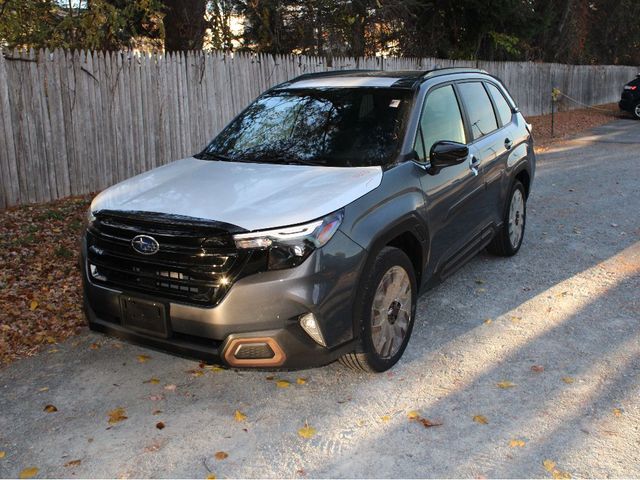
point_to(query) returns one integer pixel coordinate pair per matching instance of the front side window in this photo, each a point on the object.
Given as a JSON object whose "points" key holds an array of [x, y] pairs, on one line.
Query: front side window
{"points": [[503, 108], [441, 120], [339, 127], [479, 109]]}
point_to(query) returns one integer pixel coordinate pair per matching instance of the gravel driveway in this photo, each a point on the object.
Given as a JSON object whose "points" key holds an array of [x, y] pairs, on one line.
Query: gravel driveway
{"points": [[557, 326]]}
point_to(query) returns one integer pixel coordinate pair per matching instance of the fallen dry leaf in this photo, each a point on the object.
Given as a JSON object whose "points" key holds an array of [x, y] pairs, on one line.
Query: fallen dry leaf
{"points": [[94, 346], [143, 358], [413, 415], [550, 466], [72, 463], [428, 423], [33, 305], [2, 454], [559, 474], [307, 431], [488, 321], [50, 408], [516, 443], [568, 380], [153, 381], [214, 368], [239, 416], [171, 387], [43, 389], [156, 412], [537, 368], [211, 476], [301, 381], [117, 415], [617, 412], [480, 419], [221, 455], [28, 472], [505, 384], [160, 425], [282, 384], [385, 418]]}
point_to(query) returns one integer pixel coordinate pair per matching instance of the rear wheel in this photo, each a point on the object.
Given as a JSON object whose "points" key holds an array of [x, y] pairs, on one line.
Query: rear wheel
{"points": [[636, 111], [508, 240], [385, 305]]}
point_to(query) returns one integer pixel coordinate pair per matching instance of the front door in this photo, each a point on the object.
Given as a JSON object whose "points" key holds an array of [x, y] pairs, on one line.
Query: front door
{"points": [[453, 195]]}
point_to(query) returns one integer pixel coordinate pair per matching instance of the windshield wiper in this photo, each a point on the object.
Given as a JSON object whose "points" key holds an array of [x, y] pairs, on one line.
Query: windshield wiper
{"points": [[214, 156], [285, 159]]}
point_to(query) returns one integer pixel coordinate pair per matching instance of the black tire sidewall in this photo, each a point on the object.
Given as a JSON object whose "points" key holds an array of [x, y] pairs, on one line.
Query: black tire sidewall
{"points": [[388, 257], [633, 112]]}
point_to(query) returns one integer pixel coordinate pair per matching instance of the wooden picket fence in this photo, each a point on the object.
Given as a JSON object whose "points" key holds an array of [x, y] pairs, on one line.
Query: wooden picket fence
{"points": [[77, 122]]}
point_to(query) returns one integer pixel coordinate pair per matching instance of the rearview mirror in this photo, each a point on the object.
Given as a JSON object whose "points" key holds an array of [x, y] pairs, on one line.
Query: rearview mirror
{"points": [[445, 154]]}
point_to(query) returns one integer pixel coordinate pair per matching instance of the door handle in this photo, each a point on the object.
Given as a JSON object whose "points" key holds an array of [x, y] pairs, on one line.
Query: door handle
{"points": [[508, 143], [474, 163]]}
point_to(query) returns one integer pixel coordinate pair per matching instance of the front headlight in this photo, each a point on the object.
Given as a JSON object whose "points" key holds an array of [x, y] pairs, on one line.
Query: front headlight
{"points": [[290, 246], [89, 218]]}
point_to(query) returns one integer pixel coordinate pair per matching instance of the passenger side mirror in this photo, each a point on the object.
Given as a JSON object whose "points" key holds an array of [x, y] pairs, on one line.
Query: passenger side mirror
{"points": [[445, 154]]}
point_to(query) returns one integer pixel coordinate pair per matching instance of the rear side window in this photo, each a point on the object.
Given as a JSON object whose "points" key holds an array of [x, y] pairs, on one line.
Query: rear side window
{"points": [[479, 108], [441, 120], [503, 108]]}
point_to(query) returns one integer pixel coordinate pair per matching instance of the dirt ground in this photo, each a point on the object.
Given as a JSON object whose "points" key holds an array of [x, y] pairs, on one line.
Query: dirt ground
{"points": [[520, 367], [568, 123]]}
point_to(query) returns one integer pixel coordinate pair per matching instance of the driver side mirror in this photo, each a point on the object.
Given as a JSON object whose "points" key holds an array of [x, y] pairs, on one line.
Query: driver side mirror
{"points": [[446, 153]]}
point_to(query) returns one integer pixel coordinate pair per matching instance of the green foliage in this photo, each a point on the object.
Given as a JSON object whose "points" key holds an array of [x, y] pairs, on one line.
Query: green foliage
{"points": [[94, 24], [569, 31]]}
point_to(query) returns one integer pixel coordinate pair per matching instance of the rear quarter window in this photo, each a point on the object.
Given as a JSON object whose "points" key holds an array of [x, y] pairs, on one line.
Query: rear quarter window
{"points": [[503, 108]]}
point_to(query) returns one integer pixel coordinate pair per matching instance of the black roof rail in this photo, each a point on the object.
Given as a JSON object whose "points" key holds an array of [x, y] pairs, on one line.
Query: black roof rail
{"points": [[408, 79], [332, 73]]}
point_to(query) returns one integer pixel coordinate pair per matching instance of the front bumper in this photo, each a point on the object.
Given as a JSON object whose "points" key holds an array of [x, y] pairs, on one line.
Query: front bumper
{"points": [[266, 305], [628, 104]]}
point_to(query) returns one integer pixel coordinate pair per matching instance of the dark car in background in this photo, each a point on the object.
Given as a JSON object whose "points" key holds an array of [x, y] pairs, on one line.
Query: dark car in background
{"points": [[630, 101]]}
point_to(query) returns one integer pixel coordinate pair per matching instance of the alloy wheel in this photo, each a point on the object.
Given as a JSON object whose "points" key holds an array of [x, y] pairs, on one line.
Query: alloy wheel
{"points": [[391, 312], [516, 218]]}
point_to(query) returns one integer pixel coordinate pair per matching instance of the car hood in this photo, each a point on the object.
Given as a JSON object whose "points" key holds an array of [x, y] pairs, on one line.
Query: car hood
{"points": [[253, 196]]}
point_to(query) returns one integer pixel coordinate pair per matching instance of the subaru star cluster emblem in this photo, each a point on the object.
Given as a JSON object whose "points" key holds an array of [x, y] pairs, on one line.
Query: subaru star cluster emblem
{"points": [[145, 244]]}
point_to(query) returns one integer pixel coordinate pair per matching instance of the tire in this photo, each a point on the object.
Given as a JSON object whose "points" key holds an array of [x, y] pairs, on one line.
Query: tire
{"points": [[384, 329], [508, 240], [636, 111]]}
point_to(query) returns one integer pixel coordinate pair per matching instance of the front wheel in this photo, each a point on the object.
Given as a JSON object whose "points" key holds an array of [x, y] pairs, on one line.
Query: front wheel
{"points": [[508, 240], [385, 306]]}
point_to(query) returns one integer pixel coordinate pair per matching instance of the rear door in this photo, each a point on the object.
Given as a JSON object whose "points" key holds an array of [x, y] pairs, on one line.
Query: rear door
{"points": [[506, 143], [488, 147]]}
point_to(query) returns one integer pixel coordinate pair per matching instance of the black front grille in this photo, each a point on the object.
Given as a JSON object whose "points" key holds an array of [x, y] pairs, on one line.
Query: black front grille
{"points": [[196, 263]]}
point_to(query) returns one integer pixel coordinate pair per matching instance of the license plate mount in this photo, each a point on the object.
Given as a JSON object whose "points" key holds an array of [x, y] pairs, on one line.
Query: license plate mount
{"points": [[145, 316]]}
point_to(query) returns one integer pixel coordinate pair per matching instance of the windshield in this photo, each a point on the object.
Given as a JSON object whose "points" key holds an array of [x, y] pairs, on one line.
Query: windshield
{"points": [[331, 127]]}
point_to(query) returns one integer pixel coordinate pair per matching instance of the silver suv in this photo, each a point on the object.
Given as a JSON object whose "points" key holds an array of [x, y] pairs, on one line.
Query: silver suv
{"points": [[305, 230]]}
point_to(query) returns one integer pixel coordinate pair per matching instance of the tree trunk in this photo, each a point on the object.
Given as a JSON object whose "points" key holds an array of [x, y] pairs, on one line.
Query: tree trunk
{"points": [[184, 24], [359, 11]]}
